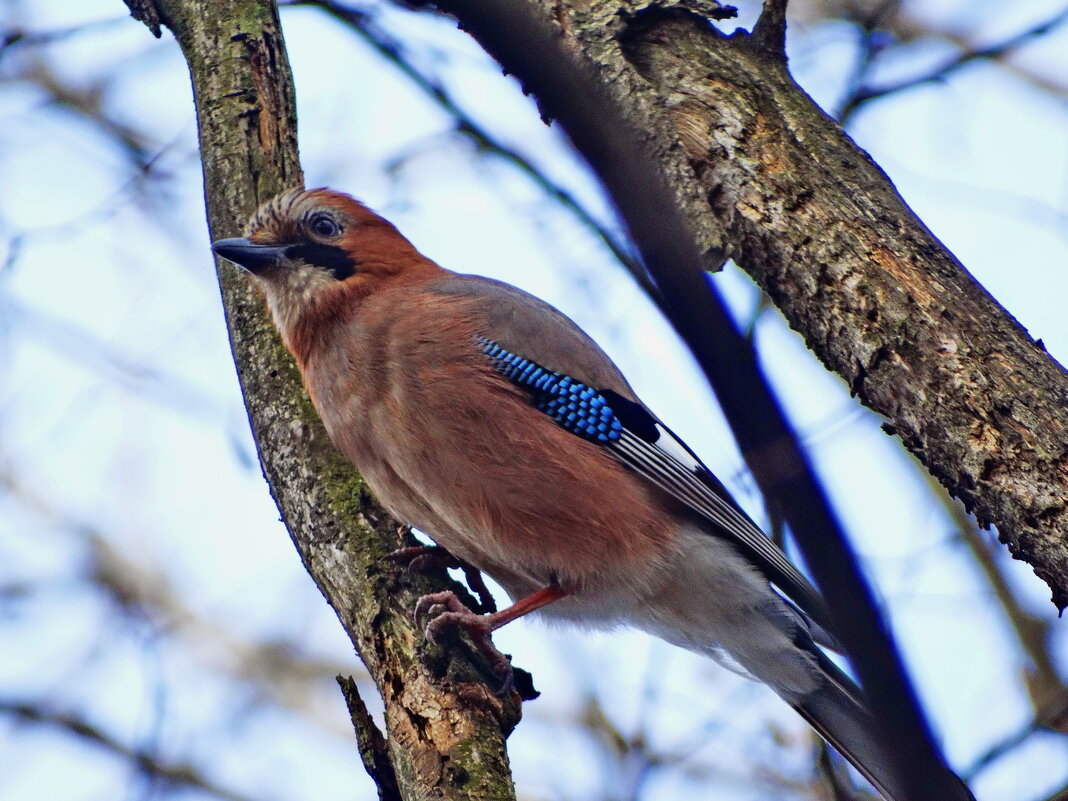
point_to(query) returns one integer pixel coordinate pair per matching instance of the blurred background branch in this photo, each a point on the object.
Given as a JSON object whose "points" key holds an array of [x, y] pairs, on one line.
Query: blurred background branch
{"points": [[874, 43]]}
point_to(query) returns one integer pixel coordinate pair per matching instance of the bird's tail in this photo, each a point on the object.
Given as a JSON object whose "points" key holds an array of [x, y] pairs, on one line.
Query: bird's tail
{"points": [[838, 713]]}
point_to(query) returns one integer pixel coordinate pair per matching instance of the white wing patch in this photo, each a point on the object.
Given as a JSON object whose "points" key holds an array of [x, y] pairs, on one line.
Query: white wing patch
{"points": [[670, 445]]}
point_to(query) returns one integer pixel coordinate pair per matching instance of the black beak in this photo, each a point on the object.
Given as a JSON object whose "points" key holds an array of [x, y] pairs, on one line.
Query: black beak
{"points": [[248, 255]]}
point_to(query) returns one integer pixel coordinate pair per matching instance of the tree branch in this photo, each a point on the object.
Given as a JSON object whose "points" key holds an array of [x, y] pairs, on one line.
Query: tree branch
{"points": [[863, 94], [1014, 740], [372, 745], [906, 26], [445, 727], [770, 28], [180, 775]]}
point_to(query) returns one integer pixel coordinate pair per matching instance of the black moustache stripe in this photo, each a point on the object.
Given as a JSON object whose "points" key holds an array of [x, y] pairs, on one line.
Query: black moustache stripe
{"points": [[328, 257]]}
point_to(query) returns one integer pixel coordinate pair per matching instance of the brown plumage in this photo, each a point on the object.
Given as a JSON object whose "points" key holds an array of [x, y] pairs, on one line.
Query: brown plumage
{"points": [[389, 359]]}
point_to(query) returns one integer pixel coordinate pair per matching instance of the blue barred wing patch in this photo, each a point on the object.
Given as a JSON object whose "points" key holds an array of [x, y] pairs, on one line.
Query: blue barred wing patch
{"points": [[580, 409]]}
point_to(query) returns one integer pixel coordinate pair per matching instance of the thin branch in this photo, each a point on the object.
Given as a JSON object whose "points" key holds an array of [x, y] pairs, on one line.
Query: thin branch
{"points": [[373, 749], [1049, 695], [866, 94], [1003, 747], [1034, 633], [834, 776], [146, 11], [907, 27], [274, 668], [770, 28], [180, 774], [872, 42], [89, 104], [14, 36], [74, 342]]}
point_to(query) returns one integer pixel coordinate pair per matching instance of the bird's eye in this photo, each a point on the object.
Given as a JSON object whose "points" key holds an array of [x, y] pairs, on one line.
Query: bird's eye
{"points": [[324, 225]]}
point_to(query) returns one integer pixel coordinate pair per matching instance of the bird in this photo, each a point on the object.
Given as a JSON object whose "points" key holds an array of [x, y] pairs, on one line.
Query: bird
{"points": [[487, 419]]}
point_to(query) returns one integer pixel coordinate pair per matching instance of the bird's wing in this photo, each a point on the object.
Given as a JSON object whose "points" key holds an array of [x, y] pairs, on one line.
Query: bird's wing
{"points": [[573, 381]]}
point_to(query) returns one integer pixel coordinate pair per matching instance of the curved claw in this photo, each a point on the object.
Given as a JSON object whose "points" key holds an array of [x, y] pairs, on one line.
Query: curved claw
{"points": [[448, 611], [424, 558], [443, 610], [445, 602]]}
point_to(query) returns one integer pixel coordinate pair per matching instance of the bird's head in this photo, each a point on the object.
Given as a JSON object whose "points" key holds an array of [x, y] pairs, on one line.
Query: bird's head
{"points": [[305, 248]]}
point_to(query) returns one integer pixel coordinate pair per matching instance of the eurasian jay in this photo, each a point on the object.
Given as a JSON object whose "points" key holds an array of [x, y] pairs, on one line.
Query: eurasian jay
{"points": [[488, 420]]}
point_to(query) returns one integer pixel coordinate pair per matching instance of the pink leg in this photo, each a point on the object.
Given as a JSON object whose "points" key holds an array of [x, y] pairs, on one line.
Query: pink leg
{"points": [[446, 610]]}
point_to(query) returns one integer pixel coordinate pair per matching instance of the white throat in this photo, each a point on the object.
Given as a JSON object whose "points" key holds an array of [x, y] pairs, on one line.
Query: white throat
{"points": [[291, 290]]}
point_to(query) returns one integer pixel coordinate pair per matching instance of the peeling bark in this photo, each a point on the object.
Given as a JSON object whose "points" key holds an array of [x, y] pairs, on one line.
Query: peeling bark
{"points": [[445, 727], [765, 176]]}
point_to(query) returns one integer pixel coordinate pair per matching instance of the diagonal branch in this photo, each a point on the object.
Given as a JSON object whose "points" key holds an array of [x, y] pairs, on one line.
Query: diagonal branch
{"points": [[759, 170], [569, 92]]}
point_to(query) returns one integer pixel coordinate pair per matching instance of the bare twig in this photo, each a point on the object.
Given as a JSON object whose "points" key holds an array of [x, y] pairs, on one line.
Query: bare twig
{"points": [[1034, 633], [770, 28], [136, 375], [1007, 745], [14, 36], [181, 774], [146, 11], [864, 95], [273, 667], [872, 42], [88, 103], [372, 745]]}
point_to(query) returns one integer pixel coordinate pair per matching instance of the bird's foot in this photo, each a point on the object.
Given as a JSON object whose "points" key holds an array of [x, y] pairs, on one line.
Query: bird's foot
{"points": [[423, 558], [443, 611]]}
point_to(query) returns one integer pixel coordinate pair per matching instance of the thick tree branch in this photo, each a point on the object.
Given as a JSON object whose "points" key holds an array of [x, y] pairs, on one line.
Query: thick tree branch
{"points": [[876, 296], [445, 728]]}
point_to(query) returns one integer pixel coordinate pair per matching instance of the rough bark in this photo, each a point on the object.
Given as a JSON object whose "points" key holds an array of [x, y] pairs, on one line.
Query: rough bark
{"points": [[445, 727], [764, 175]]}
